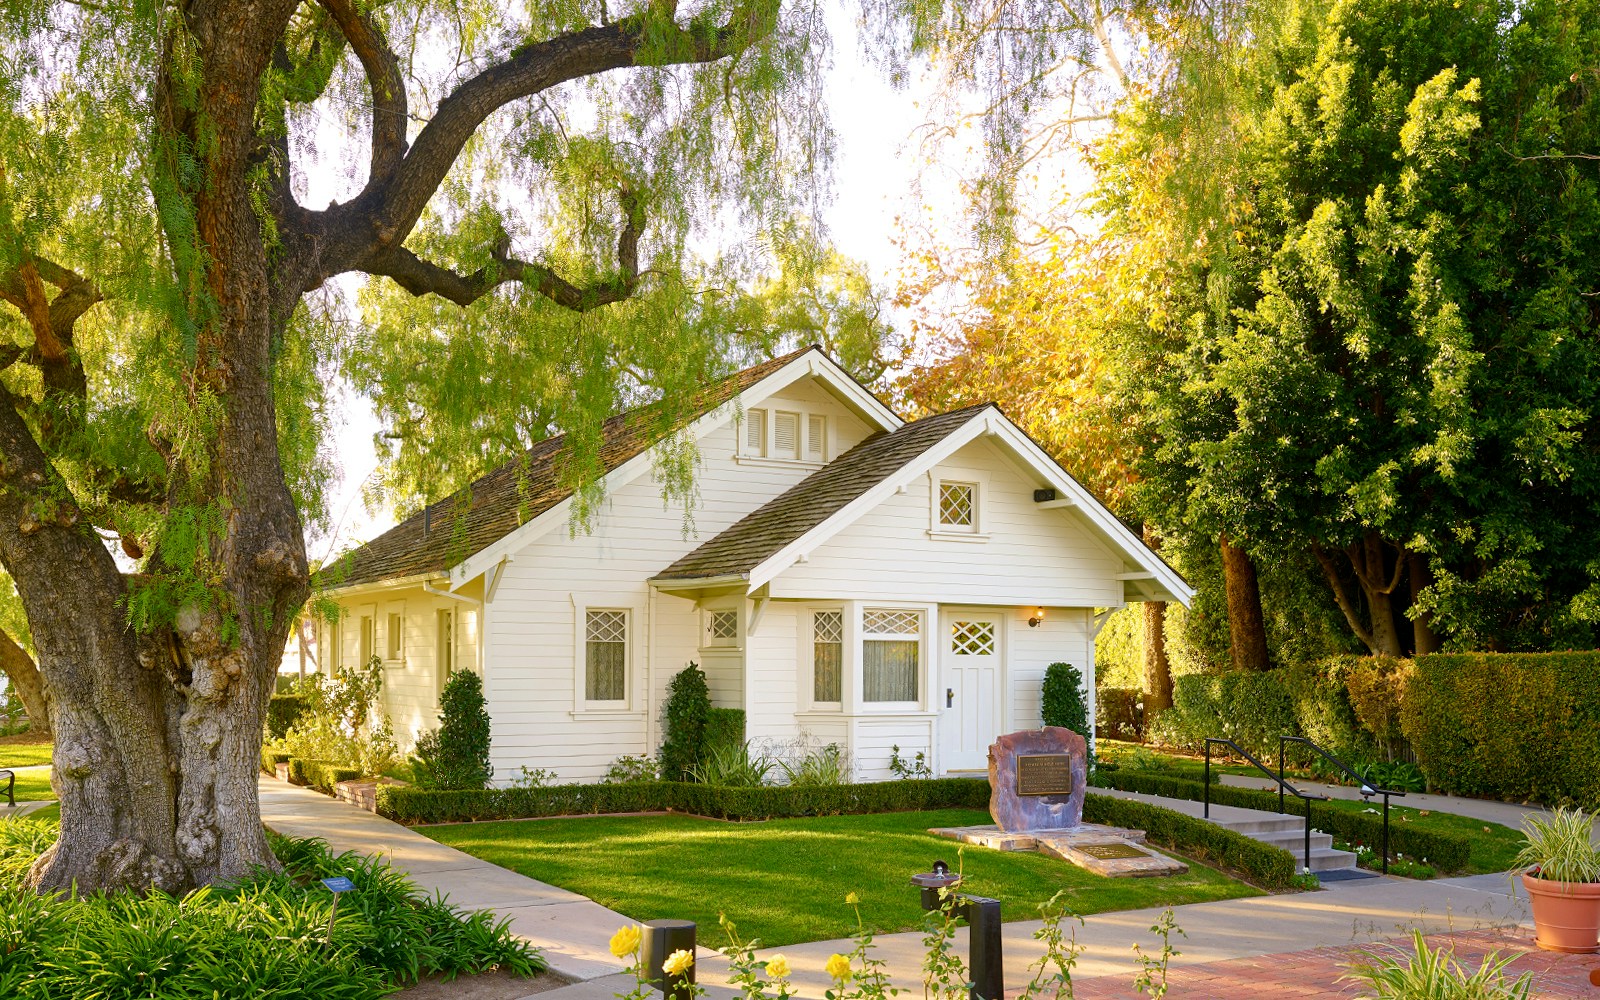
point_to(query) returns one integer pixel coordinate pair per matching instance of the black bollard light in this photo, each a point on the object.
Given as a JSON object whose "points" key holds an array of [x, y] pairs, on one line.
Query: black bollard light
{"points": [[985, 964], [661, 939]]}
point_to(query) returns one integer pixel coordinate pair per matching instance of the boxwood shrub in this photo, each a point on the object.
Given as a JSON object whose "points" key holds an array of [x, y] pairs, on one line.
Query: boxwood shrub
{"points": [[1514, 726], [412, 805], [1443, 851], [1254, 708], [724, 730], [319, 774], [1267, 866], [283, 711]]}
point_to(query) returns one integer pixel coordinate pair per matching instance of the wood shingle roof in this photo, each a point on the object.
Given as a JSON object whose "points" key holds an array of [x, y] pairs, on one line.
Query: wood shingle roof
{"points": [[449, 531]]}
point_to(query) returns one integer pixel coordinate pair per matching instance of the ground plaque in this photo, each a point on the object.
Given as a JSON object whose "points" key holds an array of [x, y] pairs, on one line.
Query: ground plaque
{"points": [[1037, 779]]}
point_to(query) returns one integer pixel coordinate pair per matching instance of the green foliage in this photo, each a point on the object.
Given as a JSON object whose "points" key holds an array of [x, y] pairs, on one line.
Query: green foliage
{"points": [[1063, 699], [321, 774], [283, 711], [411, 805], [1448, 853], [1559, 848], [1433, 972], [629, 768], [1119, 713], [733, 766], [1254, 708], [914, 767], [456, 755], [262, 936], [827, 765], [724, 728], [1267, 866], [684, 716], [1518, 727]]}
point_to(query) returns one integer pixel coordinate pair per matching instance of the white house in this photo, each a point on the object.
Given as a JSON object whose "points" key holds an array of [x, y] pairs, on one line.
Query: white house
{"points": [[851, 578]]}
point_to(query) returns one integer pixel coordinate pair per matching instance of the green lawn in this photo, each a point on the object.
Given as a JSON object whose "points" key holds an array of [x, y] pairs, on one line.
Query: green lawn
{"points": [[25, 754], [784, 881], [31, 786]]}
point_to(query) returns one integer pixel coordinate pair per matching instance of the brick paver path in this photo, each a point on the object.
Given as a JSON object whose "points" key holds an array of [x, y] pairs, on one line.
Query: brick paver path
{"points": [[1316, 973]]}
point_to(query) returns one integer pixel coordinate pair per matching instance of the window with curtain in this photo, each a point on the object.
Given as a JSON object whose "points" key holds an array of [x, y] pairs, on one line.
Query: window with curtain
{"points": [[606, 656], [827, 657], [891, 645]]}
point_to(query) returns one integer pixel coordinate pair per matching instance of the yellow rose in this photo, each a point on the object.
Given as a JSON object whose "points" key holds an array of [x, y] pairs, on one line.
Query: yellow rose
{"points": [[838, 967], [625, 941], [852, 899], [678, 963], [778, 967]]}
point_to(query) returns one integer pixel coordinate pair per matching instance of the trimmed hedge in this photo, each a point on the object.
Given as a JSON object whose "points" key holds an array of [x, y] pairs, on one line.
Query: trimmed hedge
{"points": [[1443, 851], [270, 759], [1254, 708], [1515, 726], [319, 774], [283, 711], [412, 805], [1267, 866], [724, 730]]}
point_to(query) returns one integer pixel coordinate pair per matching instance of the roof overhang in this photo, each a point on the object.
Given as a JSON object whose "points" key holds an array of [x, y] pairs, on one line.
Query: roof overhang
{"points": [[1146, 576], [812, 363]]}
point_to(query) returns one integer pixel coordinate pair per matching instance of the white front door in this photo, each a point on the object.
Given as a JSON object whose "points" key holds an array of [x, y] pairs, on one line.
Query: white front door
{"points": [[969, 717]]}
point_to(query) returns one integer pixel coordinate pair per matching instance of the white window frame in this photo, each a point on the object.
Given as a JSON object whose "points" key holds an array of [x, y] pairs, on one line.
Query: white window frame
{"points": [[710, 642], [629, 705], [766, 417], [332, 652], [394, 634], [979, 481], [367, 638], [755, 416], [924, 647], [794, 453], [817, 445], [447, 647], [808, 641]]}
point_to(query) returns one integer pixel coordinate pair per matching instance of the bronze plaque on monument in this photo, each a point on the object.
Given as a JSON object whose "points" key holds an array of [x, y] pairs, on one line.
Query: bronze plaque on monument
{"points": [[1044, 774]]}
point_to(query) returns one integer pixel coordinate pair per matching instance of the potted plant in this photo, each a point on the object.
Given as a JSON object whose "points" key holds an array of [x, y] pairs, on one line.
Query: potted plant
{"points": [[1561, 871]]}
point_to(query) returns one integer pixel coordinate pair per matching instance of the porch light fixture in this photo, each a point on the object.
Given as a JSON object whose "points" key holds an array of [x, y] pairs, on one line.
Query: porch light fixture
{"points": [[1037, 619]]}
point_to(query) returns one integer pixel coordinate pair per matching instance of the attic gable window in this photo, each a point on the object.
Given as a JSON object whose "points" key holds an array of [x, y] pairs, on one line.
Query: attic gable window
{"points": [[958, 506], [755, 432], [817, 438], [786, 435]]}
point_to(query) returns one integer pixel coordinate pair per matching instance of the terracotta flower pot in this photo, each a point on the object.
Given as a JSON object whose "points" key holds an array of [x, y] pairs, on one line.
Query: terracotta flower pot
{"points": [[1566, 915]]}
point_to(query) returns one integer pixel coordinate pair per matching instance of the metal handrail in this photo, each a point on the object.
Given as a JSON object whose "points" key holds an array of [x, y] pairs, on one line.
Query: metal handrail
{"points": [[1365, 786], [1282, 786]]}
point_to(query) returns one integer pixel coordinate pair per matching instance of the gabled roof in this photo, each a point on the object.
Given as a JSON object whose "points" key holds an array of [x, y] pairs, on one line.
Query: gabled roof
{"points": [[761, 546], [442, 535], [785, 519]]}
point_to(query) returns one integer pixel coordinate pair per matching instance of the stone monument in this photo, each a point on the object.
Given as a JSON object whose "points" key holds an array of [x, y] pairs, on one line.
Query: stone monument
{"points": [[1037, 779]]}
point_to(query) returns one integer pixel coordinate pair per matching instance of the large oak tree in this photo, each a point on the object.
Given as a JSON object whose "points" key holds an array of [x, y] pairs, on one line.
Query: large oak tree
{"points": [[182, 186]]}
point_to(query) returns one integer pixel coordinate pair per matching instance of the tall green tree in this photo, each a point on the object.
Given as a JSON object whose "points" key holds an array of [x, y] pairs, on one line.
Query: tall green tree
{"points": [[1385, 355], [183, 186]]}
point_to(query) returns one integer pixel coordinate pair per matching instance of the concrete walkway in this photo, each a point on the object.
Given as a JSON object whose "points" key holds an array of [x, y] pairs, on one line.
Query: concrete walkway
{"points": [[1504, 813], [571, 930]]}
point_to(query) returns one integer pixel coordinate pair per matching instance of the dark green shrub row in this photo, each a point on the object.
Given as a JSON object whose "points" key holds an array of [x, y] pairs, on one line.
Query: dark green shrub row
{"points": [[266, 935], [270, 759], [1267, 866], [1514, 726], [724, 730], [1445, 852], [283, 711], [319, 774], [412, 805]]}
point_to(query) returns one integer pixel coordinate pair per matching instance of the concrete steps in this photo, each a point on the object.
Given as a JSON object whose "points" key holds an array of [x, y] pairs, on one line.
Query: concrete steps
{"points": [[1287, 832]]}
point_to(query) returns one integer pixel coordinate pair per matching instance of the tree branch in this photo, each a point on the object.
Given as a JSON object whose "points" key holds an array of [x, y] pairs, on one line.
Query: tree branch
{"points": [[356, 234], [383, 77], [1342, 597], [421, 277]]}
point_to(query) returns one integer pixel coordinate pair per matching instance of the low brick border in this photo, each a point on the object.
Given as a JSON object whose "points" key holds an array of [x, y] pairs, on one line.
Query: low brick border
{"points": [[1316, 973]]}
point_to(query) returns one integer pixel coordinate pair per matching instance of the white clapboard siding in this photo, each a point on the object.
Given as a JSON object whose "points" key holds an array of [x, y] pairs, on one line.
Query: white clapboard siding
{"points": [[1030, 555], [874, 738], [772, 691], [1061, 637], [532, 625]]}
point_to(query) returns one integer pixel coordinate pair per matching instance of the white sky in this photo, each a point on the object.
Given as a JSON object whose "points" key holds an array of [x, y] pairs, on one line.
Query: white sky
{"points": [[876, 170]]}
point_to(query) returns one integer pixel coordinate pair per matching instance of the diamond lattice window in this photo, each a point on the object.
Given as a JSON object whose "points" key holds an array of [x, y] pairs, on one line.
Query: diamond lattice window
{"points": [[827, 656], [724, 625], [972, 638], [606, 655], [957, 505], [889, 622], [828, 626]]}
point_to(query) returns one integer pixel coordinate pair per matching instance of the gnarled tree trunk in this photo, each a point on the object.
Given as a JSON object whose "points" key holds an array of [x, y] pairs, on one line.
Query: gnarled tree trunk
{"points": [[1247, 627], [1377, 580], [1418, 577], [23, 675], [1157, 668]]}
